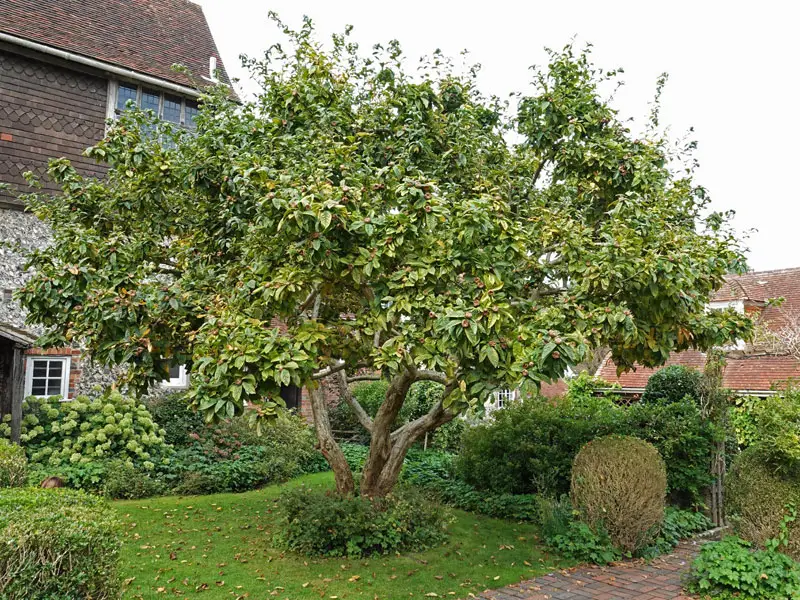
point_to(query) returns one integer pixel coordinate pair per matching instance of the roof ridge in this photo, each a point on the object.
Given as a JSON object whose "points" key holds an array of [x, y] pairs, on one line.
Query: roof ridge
{"points": [[784, 270]]}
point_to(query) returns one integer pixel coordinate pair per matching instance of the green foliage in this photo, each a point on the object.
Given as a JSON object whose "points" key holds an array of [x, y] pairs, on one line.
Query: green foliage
{"points": [[672, 384], [678, 525], [731, 569], [756, 498], [319, 523], [684, 439], [174, 415], [529, 446], [392, 198], [434, 473], [619, 484], [232, 457], [775, 430], [123, 481], [57, 545], [13, 465], [77, 435], [581, 542]]}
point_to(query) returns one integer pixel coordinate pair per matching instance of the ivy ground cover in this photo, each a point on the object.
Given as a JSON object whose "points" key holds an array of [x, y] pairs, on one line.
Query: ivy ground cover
{"points": [[219, 546]]}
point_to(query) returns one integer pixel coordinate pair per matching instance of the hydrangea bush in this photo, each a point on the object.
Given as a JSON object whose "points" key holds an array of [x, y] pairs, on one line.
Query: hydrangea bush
{"points": [[84, 430]]}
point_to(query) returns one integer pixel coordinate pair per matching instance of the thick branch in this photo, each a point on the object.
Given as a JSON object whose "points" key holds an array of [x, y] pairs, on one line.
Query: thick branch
{"points": [[428, 375], [365, 377], [358, 410], [308, 301], [334, 368]]}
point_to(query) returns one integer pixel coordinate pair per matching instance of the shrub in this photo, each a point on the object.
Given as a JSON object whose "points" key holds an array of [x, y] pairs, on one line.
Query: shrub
{"points": [[678, 525], [731, 569], [672, 384], [619, 484], [776, 431], [756, 498], [13, 465], [123, 481], [582, 543], [320, 523], [529, 446], [685, 441], [174, 415], [58, 544], [86, 431], [231, 457]]}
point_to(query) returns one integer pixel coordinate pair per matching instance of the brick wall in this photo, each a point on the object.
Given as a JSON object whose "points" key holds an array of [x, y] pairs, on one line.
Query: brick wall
{"points": [[46, 111]]}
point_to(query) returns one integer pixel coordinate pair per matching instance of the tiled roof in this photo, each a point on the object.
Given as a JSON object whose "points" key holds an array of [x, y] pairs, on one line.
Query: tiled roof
{"points": [[751, 373], [761, 286], [747, 372], [147, 36]]}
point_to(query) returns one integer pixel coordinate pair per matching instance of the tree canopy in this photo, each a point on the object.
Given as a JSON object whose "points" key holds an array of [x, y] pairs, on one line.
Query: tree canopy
{"points": [[361, 218]]}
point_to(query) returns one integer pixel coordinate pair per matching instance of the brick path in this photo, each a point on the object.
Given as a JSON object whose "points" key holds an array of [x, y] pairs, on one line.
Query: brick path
{"points": [[658, 580]]}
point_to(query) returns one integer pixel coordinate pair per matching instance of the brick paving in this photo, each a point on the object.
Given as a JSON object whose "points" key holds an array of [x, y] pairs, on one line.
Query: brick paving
{"points": [[660, 579]]}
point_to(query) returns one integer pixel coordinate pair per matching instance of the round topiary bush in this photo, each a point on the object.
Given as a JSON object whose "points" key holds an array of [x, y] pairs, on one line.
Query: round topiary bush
{"points": [[672, 384], [320, 523], [57, 544], [13, 464], [756, 498], [619, 484]]}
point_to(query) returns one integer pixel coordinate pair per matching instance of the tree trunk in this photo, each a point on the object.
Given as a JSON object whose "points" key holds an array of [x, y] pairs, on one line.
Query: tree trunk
{"points": [[17, 384], [386, 472], [380, 446], [327, 444]]}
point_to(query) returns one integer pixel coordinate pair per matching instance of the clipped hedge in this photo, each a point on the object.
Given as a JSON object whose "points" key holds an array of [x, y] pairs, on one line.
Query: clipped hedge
{"points": [[13, 465], [57, 544], [756, 498], [619, 485]]}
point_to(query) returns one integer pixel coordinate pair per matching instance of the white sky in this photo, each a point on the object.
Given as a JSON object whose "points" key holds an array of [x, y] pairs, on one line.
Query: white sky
{"points": [[734, 69]]}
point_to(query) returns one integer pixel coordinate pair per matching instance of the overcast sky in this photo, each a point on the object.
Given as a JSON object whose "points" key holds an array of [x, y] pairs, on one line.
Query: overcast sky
{"points": [[733, 66]]}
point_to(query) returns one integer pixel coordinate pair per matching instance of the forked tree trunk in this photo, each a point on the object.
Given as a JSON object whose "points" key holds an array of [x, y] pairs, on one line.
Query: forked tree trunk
{"points": [[328, 446]]}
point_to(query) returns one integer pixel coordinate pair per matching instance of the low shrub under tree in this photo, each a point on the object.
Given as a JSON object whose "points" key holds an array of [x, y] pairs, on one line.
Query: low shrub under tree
{"points": [[619, 485], [57, 544], [320, 523]]}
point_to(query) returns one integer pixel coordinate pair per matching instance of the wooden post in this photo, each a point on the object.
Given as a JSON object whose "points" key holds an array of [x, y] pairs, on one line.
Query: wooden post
{"points": [[17, 390]]}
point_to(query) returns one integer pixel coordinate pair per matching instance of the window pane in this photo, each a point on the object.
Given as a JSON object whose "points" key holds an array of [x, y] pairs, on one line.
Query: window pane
{"points": [[175, 372], [150, 100], [191, 113], [172, 109], [40, 368], [125, 93], [39, 387], [55, 368], [53, 387]]}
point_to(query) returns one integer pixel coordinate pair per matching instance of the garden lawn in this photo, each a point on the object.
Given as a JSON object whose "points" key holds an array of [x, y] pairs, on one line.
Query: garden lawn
{"points": [[219, 546]]}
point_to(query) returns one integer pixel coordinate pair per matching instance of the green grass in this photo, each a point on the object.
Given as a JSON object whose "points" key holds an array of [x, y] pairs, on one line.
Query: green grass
{"points": [[219, 546]]}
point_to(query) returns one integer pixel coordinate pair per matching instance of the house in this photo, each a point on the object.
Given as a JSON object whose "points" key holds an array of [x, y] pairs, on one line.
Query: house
{"points": [[755, 369], [66, 66]]}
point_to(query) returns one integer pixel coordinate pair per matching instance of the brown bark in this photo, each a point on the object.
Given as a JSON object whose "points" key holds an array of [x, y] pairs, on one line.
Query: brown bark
{"points": [[380, 446], [386, 468], [328, 446]]}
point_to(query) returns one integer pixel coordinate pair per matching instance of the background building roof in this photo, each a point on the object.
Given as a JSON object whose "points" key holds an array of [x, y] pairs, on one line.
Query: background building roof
{"points": [[147, 36]]}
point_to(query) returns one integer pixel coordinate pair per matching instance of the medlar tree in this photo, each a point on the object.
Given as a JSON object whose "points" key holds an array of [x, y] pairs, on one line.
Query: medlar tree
{"points": [[358, 221]]}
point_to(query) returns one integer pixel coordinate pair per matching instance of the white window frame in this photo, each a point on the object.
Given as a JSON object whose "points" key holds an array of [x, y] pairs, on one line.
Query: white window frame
{"points": [[181, 382], [65, 361], [112, 112], [503, 397]]}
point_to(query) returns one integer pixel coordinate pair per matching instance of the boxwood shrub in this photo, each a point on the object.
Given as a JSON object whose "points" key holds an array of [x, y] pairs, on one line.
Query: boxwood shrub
{"points": [[57, 544]]}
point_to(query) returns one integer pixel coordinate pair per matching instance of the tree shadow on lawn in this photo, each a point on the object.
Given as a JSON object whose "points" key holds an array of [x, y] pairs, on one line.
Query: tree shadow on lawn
{"points": [[219, 546]]}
